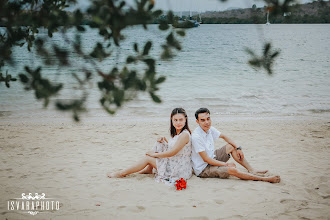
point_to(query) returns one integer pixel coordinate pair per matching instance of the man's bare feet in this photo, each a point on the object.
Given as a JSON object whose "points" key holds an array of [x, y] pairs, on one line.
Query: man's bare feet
{"points": [[273, 179], [258, 171], [115, 174]]}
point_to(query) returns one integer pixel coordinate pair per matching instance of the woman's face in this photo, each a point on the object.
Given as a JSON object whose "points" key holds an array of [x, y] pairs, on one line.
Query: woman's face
{"points": [[179, 121]]}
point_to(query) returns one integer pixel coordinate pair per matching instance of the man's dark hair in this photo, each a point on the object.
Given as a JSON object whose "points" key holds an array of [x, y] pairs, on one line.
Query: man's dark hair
{"points": [[201, 110]]}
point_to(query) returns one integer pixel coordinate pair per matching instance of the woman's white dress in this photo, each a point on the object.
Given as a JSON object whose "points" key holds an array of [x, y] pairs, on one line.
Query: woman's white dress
{"points": [[173, 168]]}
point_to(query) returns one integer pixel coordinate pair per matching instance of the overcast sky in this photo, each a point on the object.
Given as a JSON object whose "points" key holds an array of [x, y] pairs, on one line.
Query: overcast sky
{"points": [[199, 5]]}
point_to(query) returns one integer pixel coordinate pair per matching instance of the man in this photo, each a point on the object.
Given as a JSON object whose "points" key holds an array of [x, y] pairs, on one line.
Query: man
{"points": [[208, 163]]}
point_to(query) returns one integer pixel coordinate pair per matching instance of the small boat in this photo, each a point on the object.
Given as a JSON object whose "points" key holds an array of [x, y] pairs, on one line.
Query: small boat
{"points": [[186, 23]]}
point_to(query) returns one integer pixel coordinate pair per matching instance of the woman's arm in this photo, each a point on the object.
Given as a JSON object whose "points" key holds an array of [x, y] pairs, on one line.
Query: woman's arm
{"points": [[180, 143]]}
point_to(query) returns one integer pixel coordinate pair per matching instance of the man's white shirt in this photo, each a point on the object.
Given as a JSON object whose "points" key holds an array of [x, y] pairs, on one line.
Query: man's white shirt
{"points": [[202, 141]]}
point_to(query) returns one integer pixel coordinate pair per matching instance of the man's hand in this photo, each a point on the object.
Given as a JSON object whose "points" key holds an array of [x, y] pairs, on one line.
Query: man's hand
{"points": [[152, 154], [240, 154], [230, 165], [161, 140]]}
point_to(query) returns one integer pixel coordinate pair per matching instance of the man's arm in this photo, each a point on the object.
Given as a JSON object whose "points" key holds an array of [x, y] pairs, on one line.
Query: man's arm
{"points": [[232, 143], [228, 140], [214, 162]]}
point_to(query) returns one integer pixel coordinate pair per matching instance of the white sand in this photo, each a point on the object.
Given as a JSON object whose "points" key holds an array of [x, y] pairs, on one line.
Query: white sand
{"points": [[69, 162]]}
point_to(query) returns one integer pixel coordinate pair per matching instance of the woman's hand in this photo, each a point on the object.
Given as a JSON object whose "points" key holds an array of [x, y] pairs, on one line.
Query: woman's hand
{"points": [[152, 154], [162, 139], [230, 165]]}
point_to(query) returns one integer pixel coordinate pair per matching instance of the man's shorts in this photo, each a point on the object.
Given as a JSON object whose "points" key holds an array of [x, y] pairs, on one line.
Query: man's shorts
{"points": [[211, 171]]}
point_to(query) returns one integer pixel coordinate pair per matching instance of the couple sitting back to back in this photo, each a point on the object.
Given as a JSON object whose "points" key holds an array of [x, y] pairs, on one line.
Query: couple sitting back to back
{"points": [[184, 152]]}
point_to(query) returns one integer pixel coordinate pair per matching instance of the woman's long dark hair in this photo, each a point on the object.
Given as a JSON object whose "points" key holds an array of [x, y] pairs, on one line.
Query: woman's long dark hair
{"points": [[172, 128]]}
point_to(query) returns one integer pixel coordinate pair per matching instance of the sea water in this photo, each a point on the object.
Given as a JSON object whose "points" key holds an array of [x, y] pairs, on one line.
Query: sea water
{"points": [[210, 71]]}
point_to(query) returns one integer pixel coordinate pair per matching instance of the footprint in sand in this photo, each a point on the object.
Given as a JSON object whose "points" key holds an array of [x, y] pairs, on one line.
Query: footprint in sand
{"points": [[296, 202], [234, 217], [199, 218], [133, 209], [140, 208], [218, 201]]}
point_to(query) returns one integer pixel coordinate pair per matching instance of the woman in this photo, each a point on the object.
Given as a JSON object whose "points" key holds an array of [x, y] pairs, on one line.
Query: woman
{"points": [[171, 159]]}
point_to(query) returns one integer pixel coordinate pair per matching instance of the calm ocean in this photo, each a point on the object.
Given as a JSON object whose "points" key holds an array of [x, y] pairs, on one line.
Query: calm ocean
{"points": [[211, 71]]}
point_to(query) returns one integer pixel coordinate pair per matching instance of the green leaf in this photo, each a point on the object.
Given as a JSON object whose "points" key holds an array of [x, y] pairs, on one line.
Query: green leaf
{"points": [[151, 6], [150, 62], [155, 98], [136, 48], [157, 13], [130, 59], [118, 97], [160, 79], [181, 33], [275, 54], [167, 53], [76, 117], [122, 4], [99, 52], [147, 48], [80, 28], [23, 78], [163, 26], [266, 48], [170, 17], [249, 51]]}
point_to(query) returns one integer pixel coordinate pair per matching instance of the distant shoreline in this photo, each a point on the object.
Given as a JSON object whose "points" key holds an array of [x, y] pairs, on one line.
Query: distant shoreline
{"points": [[104, 119], [309, 13]]}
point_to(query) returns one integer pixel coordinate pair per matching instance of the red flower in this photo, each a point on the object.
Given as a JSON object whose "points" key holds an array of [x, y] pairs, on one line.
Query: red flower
{"points": [[181, 184]]}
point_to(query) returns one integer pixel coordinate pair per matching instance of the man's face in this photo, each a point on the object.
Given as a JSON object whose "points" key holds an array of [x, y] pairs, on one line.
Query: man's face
{"points": [[204, 120]]}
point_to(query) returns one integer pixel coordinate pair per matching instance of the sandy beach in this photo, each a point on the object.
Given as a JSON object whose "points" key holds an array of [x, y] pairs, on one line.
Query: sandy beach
{"points": [[68, 162]]}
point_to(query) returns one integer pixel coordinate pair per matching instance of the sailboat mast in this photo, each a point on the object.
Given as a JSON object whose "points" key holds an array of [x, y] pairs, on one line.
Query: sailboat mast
{"points": [[267, 16], [268, 23]]}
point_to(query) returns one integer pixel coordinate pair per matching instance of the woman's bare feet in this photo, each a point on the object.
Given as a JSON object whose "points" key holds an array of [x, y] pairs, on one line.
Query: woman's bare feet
{"points": [[115, 174], [273, 179]]}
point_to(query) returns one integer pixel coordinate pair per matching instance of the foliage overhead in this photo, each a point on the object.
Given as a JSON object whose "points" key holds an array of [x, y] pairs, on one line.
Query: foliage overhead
{"points": [[23, 19]]}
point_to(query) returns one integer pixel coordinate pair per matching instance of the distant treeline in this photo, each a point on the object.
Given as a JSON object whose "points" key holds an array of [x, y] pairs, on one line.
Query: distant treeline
{"points": [[305, 19], [315, 12]]}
